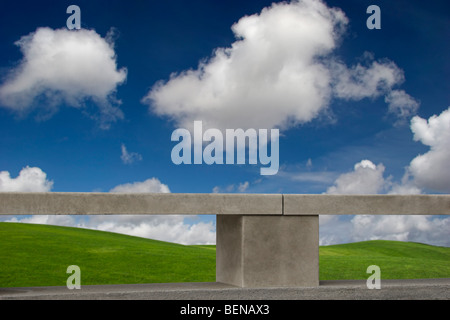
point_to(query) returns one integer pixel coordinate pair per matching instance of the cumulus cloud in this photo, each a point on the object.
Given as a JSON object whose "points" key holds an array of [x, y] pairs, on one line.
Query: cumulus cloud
{"points": [[406, 186], [279, 72], [56, 220], [431, 169], [424, 229], [165, 228], [401, 228], [65, 67], [152, 185], [402, 105], [361, 81], [129, 157], [30, 179], [428, 171], [367, 178], [334, 230]]}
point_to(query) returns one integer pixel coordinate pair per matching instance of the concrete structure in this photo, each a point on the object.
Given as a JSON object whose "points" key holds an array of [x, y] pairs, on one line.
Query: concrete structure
{"points": [[55, 203], [297, 204], [263, 240], [267, 251]]}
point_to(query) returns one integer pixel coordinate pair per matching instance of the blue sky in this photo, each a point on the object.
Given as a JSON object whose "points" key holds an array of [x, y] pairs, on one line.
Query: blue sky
{"points": [[352, 104]]}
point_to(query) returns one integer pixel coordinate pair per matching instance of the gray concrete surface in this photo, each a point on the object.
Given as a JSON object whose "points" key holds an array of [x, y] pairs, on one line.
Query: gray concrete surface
{"points": [[267, 251], [419, 289], [73, 203], [70, 203], [325, 204]]}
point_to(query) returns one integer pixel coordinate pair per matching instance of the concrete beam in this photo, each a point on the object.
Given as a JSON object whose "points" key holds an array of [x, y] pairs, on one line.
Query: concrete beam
{"points": [[12, 203], [55, 203], [323, 204]]}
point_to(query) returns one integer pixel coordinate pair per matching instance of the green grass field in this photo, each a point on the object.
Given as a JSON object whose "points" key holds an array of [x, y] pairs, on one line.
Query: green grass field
{"points": [[396, 259], [38, 255]]}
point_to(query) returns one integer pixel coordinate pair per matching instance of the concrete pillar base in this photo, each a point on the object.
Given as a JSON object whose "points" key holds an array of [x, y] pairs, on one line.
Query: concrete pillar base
{"points": [[267, 251]]}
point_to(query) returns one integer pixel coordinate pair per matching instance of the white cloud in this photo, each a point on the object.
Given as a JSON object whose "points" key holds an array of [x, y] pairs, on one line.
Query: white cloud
{"points": [[56, 220], [29, 180], [231, 188], [65, 67], [129, 157], [432, 230], [171, 228], [152, 185], [426, 171], [279, 72], [425, 229], [367, 178], [243, 186], [405, 187], [402, 105], [431, 170], [334, 230], [361, 82]]}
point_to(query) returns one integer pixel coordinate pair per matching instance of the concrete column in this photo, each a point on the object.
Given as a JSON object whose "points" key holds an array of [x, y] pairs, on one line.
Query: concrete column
{"points": [[267, 251]]}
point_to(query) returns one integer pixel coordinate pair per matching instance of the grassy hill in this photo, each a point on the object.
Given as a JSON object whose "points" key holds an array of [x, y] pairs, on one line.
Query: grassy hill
{"points": [[38, 255], [396, 259]]}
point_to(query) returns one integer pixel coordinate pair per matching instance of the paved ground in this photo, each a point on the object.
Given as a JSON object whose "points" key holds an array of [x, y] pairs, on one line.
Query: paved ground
{"points": [[426, 289]]}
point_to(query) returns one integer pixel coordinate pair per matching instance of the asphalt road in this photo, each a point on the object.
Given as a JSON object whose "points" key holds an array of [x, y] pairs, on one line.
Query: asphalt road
{"points": [[419, 289]]}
